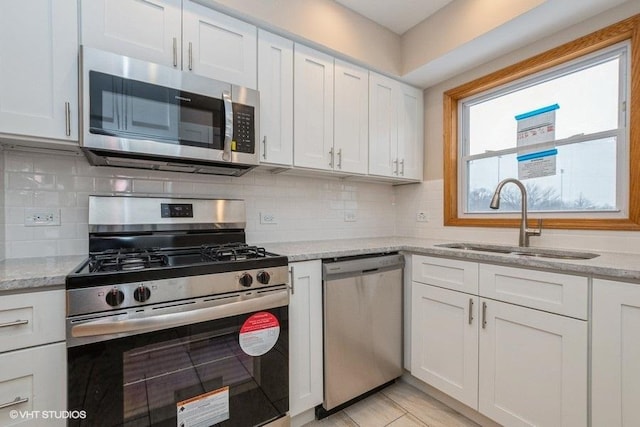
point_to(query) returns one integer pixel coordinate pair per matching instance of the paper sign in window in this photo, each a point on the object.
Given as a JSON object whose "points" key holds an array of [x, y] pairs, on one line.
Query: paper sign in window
{"points": [[535, 128]]}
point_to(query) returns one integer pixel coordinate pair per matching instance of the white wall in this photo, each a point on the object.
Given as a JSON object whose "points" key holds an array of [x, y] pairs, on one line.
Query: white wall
{"points": [[306, 208]]}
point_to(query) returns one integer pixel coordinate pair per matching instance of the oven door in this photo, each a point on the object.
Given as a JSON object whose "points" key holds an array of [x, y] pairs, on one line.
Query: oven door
{"points": [[231, 371]]}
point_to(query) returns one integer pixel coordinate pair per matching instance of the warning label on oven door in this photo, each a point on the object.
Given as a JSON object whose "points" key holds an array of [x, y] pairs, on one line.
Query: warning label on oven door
{"points": [[204, 410], [259, 333]]}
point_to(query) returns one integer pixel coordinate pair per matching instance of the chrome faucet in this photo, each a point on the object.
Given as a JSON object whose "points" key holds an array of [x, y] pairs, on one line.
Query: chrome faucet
{"points": [[524, 231]]}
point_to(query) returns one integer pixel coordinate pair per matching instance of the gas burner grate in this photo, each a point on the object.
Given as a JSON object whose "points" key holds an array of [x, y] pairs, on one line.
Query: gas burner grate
{"points": [[124, 260], [232, 252]]}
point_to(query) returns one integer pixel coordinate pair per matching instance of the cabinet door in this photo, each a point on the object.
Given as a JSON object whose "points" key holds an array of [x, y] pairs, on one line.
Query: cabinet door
{"points": [[275, 83], [33, 379], [219, 46], [39, 68], [383, 126], [351, 115], [533, 367], [313, 106], [410, 133], [144, 29], [305, 342], [444, 341], [615, 371]]}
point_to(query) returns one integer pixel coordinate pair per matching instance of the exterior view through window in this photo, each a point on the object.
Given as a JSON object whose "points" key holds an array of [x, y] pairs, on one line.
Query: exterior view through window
{"points": [[564, 122], [589, 148]]}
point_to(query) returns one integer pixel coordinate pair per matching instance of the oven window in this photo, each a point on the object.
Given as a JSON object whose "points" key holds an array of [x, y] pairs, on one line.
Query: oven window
{"points": [[139, 380], [136, 110]]}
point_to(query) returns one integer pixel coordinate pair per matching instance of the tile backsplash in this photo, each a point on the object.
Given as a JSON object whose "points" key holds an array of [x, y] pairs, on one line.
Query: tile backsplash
{"points": [[304, 208]]}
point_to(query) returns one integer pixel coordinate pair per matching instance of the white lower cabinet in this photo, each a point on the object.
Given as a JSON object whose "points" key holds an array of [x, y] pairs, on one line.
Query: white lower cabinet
{"points": [[34, 379], [533, 367], [615, 367], [305, 337], [516, 365]]}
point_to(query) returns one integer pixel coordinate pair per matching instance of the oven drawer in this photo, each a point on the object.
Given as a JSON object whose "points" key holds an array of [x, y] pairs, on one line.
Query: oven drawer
{"points": [[33, 379], [31, 319]]}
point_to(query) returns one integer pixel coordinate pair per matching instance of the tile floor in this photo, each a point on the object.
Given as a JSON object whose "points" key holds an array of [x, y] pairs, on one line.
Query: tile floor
{"points": [[399, 405]]}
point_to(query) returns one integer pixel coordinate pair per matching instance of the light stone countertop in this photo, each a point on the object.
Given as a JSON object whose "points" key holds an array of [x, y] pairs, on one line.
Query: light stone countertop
{"points": [[26, 274], [609, 265]]}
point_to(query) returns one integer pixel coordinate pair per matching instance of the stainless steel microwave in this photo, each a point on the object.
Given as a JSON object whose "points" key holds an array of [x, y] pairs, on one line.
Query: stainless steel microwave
{"points": [[144, 115]]}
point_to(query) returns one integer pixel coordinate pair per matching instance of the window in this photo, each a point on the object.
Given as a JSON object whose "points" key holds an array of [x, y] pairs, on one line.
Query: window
{"points": [[561, 122]]}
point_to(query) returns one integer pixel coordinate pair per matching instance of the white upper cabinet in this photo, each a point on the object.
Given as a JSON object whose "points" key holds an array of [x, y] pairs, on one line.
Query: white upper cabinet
{"points": [[39, 69], [395, 129], [145, 29], [218, 46], [275, 83], [178, 34], [313, 106], [410, 133], [383, 125], [351, 118]]}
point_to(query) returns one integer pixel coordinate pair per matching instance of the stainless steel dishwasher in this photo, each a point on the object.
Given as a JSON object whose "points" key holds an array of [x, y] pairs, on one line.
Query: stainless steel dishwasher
{"points": [[362, 317]]}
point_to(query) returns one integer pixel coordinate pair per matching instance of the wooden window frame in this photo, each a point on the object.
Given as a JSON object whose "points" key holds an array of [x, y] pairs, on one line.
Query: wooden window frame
{"points": [[629, 29]]}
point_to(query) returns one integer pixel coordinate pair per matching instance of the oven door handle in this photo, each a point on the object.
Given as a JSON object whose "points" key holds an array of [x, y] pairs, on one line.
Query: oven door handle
{"points": [[109, 326]]}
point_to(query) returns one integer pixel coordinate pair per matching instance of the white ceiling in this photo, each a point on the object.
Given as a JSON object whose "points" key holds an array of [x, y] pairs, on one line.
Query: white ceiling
{"points": [[396, 15]]}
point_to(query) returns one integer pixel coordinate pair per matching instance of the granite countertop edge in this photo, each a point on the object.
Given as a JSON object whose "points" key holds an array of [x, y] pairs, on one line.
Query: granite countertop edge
{"points": [[31, 274]]}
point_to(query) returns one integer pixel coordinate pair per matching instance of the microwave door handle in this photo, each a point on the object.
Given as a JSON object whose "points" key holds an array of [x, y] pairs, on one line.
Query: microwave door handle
{"points": [[228, 125]]}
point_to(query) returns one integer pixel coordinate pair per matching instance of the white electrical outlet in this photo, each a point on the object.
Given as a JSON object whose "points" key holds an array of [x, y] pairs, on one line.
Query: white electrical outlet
{"points": [[38, 217], [350, 216], [268, 218], [422, 216]]}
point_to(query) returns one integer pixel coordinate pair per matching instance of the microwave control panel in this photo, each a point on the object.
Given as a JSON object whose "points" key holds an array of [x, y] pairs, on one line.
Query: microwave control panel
{"points": [[244, 133]]}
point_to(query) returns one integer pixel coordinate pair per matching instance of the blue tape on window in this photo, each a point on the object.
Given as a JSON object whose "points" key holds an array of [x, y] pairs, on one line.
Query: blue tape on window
{"points": [[537, 155], [538, 111]]}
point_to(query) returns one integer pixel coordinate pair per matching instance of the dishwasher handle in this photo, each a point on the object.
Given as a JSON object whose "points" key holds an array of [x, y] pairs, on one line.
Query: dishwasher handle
{"points": [[356, 267]]}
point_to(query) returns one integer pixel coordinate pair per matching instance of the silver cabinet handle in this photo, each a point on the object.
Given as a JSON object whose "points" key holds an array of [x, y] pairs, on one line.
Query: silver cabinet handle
{"points": [[470, 310], [175, 51], [292, 281], [190, 56], [18, 400], [264, 147], [228, 124], [340, 158], [331, 156], [67, 118], [402, 170], [14, 323], [484, 315], [395, 168]]}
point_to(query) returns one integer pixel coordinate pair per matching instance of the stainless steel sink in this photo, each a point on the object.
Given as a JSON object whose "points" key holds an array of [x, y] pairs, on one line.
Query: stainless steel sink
{"points": [[520, 251]]}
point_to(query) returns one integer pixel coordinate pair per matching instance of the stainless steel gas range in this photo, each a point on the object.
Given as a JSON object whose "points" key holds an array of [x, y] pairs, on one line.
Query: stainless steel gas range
{"points": [[174, 320]]}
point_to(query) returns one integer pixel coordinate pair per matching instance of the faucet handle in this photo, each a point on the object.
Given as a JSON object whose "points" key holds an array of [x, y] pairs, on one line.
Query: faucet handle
{"points": [[535, 231]]}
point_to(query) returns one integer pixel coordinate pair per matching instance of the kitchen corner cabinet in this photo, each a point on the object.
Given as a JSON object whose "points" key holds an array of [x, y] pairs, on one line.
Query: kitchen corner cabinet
{"points": [[275, 83], [615, 372], [396, 144], [517, 365], [313, 106], [38, 69], [175, 33], [33, 357], [305, 341]]}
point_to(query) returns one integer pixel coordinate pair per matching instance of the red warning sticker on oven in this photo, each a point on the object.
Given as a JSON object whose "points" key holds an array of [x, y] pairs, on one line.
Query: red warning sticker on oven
{"points": [[259, 333]]}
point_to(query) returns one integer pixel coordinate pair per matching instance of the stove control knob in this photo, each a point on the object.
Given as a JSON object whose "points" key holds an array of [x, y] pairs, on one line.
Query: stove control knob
{"points": [[246, 280], [141, 294], [263, 277], [115, 297]]}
